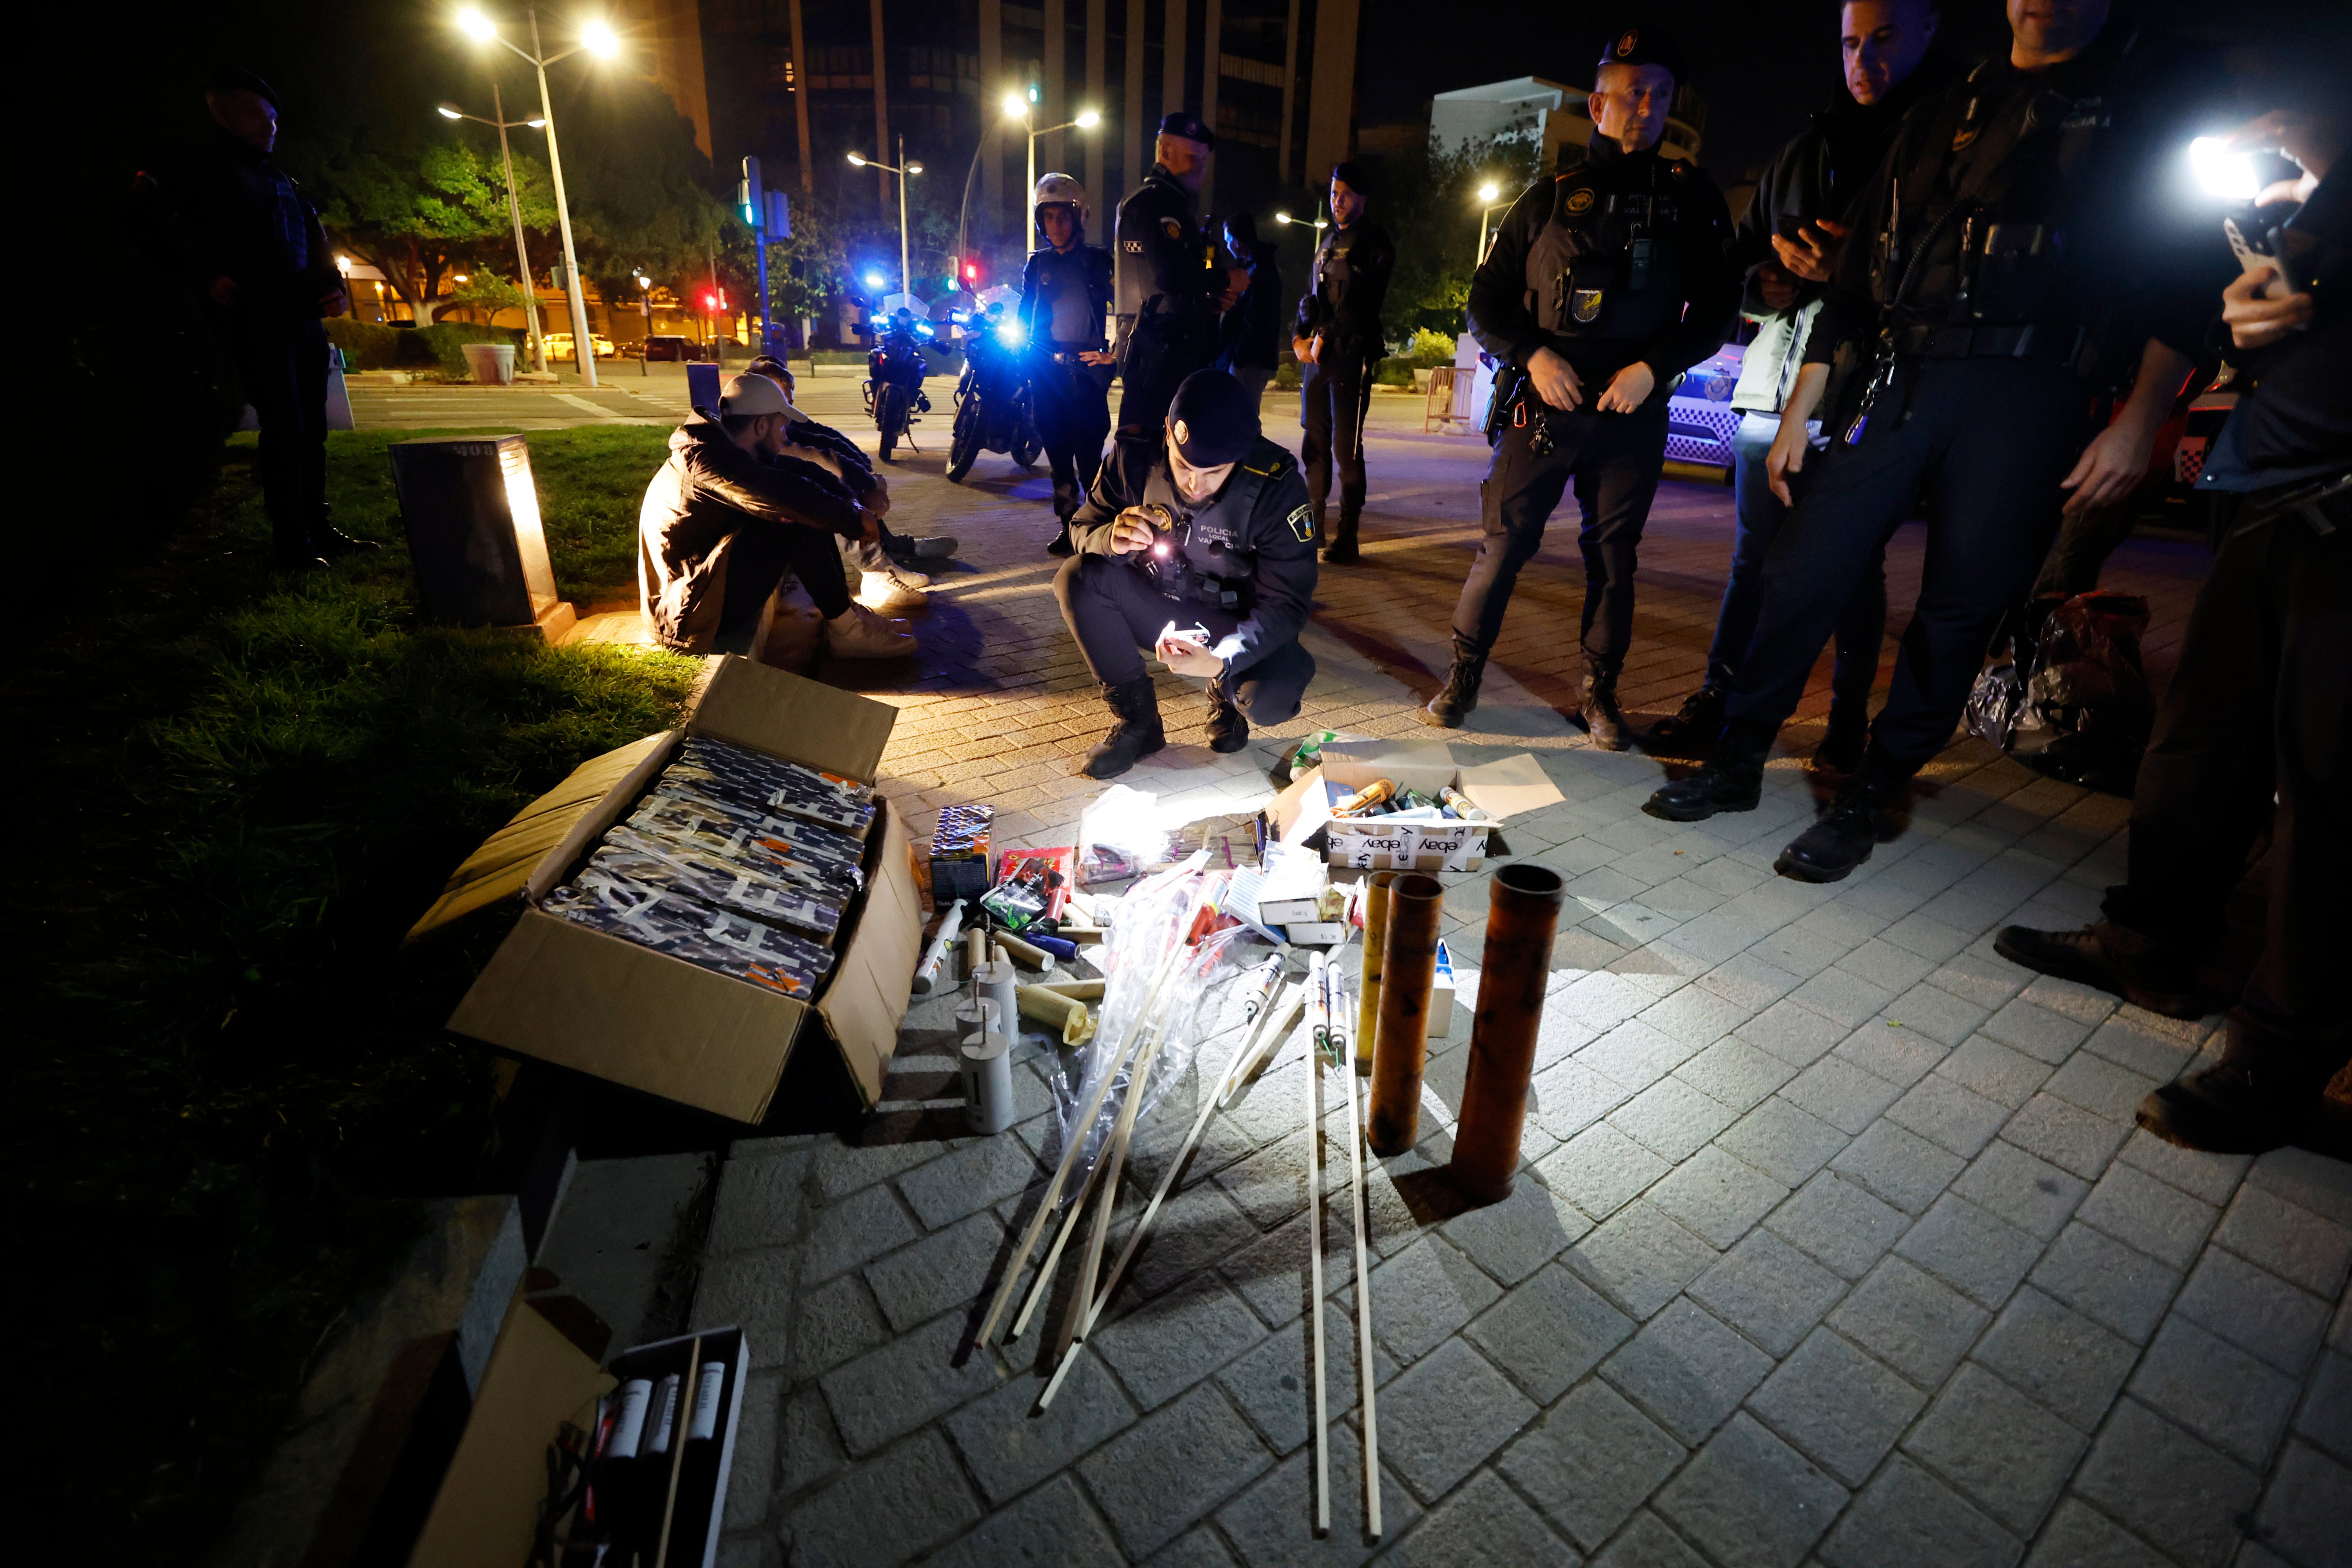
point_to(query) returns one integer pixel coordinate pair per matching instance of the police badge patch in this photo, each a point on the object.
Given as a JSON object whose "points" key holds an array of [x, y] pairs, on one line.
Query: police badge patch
{"points": [[1584, 304], [1579, 202], [1302, 524], [1175, 230]]}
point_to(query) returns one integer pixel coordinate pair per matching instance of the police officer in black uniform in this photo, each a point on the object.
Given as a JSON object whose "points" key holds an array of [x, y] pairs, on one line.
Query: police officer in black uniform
{"points": [[1199, 546], [1604, 284], [1337, 339], [1173, 280], [1065, 290], [2021, 258]]}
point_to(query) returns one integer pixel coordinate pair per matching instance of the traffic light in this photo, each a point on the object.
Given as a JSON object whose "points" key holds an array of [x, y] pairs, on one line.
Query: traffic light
{"points": [[970, 271], [710, 303], [780, 215], [750, 202]]}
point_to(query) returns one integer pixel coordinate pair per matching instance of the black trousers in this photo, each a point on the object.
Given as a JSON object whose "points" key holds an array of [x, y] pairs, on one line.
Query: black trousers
{"points": [[2257, 709], [1860, 629], [1614, 460], [284, 369], [1331, 411], [761, 556], [1158, 360], [1986, 442], [1072, 406], [1116, 612]]}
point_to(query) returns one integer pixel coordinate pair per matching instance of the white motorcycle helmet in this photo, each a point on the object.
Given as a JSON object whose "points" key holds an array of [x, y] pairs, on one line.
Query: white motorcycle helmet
{"points": [[1058, 190]]}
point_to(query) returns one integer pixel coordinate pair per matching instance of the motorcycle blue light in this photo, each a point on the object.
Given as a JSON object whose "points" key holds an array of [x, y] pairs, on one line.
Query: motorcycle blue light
{"points": [[1011, 335]]}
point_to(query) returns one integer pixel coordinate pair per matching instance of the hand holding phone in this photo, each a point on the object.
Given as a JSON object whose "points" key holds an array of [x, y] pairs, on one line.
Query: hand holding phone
{"points": [[2256, 263]]}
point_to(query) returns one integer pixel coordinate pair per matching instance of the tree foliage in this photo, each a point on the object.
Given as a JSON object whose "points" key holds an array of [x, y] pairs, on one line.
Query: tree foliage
{"points": [[1429, 203]]}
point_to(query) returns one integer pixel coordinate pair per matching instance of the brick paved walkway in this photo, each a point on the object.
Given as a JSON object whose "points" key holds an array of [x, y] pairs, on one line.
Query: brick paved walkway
{"points": [[1840, 1244]]}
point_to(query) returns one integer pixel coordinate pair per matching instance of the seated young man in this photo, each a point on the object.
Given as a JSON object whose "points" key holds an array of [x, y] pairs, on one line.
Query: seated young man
{"points": [[1199, 546], [729, 515]]}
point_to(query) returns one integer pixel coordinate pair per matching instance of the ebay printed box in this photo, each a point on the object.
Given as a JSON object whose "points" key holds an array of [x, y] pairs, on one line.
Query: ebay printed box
{"points": [[1502, 789]]}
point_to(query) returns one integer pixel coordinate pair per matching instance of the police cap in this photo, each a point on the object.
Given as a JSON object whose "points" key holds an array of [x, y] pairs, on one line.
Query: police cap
{"points": [[1192, 127], [1352, 175], [226, 76], [1642, 45], [1213, 419]]}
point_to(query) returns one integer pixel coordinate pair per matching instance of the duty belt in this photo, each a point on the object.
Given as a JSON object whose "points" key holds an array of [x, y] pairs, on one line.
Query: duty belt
{"points": [[1068, 356], [2028, 341]]}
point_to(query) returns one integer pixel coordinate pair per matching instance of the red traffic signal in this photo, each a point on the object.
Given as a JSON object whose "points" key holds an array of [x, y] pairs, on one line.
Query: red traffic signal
{"points": [[972, 271], [711, 302]]}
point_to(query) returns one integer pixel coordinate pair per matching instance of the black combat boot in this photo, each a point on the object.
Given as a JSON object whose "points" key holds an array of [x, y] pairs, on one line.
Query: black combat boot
{"points": [[1603, 719], [1062, 543], [1460, 695], [1732, 780], [1698, 721], [1136, 735], [1341, 550], [2264, 1093], [2122, 963], [1849, 734], [1843, 837], [1228, 731]]}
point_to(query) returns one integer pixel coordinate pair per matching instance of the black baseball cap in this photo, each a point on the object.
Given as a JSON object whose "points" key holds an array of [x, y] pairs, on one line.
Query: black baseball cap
{"points": [[1351, 174], [230, 77], [1213, 419], [1641, 45], [1192, 127]]}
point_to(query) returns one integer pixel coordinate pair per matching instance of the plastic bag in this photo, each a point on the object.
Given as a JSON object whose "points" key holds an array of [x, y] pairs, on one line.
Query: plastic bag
{"points": [[1995, 702], [1120, 835], [2082, 710]]}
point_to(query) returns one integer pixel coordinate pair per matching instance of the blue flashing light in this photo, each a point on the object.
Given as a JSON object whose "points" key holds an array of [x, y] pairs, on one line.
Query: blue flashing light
{"points": [[1011, 335], [875, 280]]}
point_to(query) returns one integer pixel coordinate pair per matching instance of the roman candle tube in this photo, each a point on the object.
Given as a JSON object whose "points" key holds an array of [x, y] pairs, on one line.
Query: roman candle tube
{"points": [[1376, 930], [1407, 970], [1522, 913]]}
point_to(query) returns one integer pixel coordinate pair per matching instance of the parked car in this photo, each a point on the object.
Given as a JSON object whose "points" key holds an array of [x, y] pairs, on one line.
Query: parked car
{"points": [[558, 345], [1699, 417], [664, 347]]}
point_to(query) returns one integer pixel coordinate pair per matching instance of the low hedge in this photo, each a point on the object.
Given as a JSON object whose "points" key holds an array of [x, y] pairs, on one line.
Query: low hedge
{"points": [[371, 345]]}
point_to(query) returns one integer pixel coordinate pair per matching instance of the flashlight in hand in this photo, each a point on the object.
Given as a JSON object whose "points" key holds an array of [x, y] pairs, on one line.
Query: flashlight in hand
{"points": [[2221, 174]]}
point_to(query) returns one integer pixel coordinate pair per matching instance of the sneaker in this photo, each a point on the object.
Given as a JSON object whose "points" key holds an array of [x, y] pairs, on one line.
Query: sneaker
{"points": [[859, 633], [892, 590]]}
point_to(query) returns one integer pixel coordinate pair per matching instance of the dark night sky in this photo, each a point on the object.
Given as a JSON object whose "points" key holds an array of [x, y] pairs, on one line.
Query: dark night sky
{"points": [[1763, 65]]}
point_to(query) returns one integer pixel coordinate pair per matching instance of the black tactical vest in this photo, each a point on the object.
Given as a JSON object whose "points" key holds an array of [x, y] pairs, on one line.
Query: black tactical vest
{"points": [[1210, 560], [1605, 265]]}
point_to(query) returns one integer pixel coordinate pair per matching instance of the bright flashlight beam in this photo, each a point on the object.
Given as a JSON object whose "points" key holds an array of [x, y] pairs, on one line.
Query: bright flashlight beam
{"points": [[476, 25], [599, 39], [2220, 173]]}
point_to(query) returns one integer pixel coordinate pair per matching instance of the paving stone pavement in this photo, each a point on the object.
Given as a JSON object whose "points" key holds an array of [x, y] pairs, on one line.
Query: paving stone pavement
{"points": [[1836, 1242]]}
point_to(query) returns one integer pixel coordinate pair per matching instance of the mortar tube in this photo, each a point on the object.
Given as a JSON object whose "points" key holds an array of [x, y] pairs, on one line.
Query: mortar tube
{"points": [[996, 982], [1522, 915], [1376, 928], [986, 1058], [1407, 970]]}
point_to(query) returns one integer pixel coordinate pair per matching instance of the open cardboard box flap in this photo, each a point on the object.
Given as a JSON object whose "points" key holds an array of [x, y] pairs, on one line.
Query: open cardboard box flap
{"points": [[1502, 789], [584, 999]]}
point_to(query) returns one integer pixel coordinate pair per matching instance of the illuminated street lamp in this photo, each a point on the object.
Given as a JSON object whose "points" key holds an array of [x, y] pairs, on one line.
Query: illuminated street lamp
{"points": [[601, 41], [1487, 194], [902, 169], [514, 210], [1017, 107]]}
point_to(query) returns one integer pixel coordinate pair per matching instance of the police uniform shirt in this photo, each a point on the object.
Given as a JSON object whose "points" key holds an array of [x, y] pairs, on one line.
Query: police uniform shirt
{"points": [[1064, 294], [1344, 295], [1621, 257], [1167, 269], [1256, 534]]}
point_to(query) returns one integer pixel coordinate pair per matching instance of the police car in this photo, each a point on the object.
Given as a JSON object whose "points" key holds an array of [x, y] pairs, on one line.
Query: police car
{"points": [[1700, 420]]}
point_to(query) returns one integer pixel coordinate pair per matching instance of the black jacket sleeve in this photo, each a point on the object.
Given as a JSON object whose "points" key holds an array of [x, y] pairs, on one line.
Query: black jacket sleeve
{"points": [[1849, 311], [1026, 311], [784, 491], [1499, 317], [1117, 483], [1711, 283], [1284, 569]]}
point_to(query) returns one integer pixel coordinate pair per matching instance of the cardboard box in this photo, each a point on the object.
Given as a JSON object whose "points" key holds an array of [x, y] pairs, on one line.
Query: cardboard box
{"points": [[580, 999], [1440, 995], [1502, 789]]}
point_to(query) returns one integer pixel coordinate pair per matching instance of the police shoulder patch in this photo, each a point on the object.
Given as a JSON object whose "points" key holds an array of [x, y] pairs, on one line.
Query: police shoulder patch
{"points": [[1132, 247], [1302, 524], [1580, 201], [1173, 229]]}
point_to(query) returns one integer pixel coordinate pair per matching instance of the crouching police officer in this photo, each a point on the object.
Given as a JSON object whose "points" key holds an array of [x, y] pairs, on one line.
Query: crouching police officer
{"points": [[1064, 290], [1201, 548], [1604, 284]]}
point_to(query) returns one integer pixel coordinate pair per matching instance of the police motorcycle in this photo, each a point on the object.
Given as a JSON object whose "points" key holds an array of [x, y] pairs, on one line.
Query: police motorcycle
{"points": [[895, 369], [993, 407]]}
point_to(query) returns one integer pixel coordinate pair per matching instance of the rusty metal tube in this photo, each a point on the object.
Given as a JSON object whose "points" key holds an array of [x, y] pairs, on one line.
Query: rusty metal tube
{"points": [[1376, 934], [1407, 970], [1522, 914]]}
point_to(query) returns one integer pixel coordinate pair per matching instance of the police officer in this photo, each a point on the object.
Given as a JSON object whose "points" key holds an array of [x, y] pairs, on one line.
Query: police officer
{"points": [[1337, 340], [1173, 280], [2019, 256], [1199, 546], [1604, 284], [1065, 290]]}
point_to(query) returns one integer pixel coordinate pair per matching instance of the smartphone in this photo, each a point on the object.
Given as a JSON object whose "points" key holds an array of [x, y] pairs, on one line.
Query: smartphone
{"points": [[2255, 262], [1790, 228]]}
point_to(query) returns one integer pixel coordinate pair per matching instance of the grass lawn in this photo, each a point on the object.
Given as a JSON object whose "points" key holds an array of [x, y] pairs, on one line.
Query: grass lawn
{"points": [[234, 1086]]}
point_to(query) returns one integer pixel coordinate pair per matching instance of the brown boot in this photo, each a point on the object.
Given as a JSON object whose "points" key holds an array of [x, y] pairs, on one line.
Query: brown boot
{"points": [[2264, 1093], [1603, 719], [2118, 961]]}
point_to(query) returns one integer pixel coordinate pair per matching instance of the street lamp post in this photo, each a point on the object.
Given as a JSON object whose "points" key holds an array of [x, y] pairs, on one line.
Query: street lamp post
{"points": [[1486, 192], [1016, 107], [902, 169], [514, 210], [598, 40]]}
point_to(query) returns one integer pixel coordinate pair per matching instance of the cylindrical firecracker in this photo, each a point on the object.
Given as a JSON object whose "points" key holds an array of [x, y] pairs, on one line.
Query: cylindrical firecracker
{"points": [[1407, 970], [986, 1058], [1376, 935], [1522, 914]]}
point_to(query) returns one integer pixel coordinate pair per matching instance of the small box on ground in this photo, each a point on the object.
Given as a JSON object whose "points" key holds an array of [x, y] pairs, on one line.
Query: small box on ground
{"points": [[1502, 789], [581, 997]]}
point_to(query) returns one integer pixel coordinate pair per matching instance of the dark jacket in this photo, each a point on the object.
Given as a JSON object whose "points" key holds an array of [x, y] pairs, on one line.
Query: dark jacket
{"points": [[856, 467], [1691, 303], [708, 491], [1259, 532], [1168, 273], [1825, 171], [2293, 420], [1250, 335], [229, 211], [1083, 272], [2088, 155], [1345, 291]]}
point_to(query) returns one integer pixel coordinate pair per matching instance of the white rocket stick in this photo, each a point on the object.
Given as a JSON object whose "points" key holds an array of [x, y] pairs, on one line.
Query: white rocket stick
{"points": [[1318, 1010]]}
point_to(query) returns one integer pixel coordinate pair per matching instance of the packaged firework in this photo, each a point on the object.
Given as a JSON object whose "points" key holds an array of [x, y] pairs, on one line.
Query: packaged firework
{"points": [[683, 868], [687, 929], [732, 772], [1361, 803], [798, 852], [1031, 885]]}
